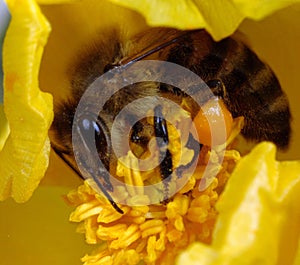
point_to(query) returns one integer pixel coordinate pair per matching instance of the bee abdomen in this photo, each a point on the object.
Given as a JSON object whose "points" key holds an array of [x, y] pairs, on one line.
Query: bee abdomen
{"points": [[251, 88], [270, 123], [253, 91]]}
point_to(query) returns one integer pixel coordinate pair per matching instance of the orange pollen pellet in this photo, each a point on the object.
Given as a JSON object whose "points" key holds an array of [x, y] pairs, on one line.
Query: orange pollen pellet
{"points": [[213, 123]]}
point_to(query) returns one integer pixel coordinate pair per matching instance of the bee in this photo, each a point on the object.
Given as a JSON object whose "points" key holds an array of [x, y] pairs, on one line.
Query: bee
{"points": [[248, 87]]}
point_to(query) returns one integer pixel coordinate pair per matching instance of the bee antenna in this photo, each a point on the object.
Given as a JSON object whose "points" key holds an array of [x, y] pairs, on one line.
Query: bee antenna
{"points": [[147, 52]]}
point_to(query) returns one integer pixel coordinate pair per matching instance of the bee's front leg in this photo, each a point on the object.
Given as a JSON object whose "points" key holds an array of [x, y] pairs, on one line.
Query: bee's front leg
{"points": [[165, 156]]}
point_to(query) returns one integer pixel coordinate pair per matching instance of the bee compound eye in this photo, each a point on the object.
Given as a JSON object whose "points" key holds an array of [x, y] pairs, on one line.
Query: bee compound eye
{"points": [[87, 129], [94, 132], [86, 125]]}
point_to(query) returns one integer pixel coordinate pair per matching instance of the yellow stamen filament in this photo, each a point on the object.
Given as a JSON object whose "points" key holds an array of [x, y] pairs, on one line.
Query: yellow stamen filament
{"points": [[151, 227], [108, 216], [83, 211], [126, 238], [111, 232], [90, 228], [179, 225], [152, 231], [197, 214]]}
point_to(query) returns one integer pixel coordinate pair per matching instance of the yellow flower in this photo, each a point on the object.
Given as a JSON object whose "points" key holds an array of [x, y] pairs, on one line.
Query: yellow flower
{"points": [[24, 156], [219, 17], [259, 215], [24, 145]]}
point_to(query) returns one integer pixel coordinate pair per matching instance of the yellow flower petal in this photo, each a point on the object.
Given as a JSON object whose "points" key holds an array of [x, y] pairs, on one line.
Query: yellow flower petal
{"points": [[51, 2], [259, 214], [287, 192], [219, 17], [166, 12], [258, 9], [24, 157], [4, 127]]}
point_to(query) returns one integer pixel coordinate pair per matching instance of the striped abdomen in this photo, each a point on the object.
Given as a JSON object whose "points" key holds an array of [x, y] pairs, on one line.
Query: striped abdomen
{"points": [[251, 88]]}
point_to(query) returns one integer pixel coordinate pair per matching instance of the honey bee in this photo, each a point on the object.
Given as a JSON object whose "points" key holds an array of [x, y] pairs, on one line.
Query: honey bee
{"points": [[248, 87]]}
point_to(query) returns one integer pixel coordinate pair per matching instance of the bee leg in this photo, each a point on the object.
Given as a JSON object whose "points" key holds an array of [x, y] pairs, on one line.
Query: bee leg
{"points": [[91, 133], [217, 87], [103, 188], [196, 147], [162, 139]]}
